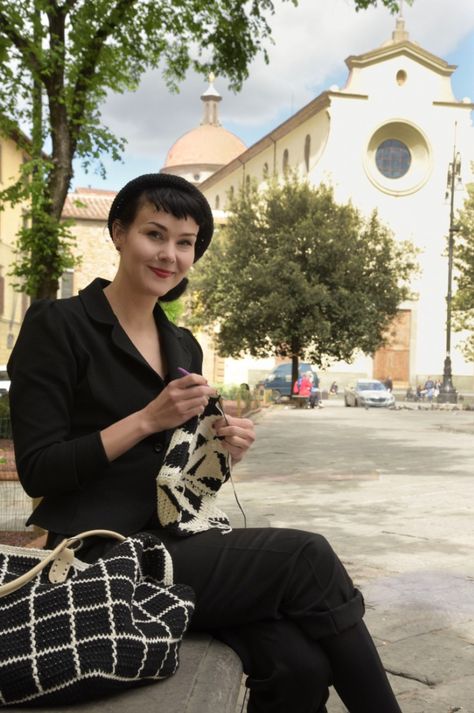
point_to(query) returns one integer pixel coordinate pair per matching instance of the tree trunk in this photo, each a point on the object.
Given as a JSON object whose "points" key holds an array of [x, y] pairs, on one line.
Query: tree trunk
{"points": [[295, 349]]}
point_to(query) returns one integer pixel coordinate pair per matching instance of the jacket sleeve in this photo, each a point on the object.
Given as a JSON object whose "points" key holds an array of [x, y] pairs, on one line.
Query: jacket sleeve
{"points": [[44, 369]]}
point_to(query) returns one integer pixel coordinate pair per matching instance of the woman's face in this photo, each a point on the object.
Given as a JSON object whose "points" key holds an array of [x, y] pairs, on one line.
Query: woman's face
{"points": [[156, 250]]}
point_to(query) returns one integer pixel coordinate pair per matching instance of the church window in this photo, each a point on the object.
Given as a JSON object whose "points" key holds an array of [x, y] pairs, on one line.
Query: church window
{"points": [[217, 203], [247, 183], [401, 77], [307, 151], [393, 158], [231, 193], [265, 170], [197, 176], [285, 160]]}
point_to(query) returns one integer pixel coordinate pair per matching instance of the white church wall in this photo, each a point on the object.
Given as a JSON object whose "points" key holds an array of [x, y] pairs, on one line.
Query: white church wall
{"points": [[400, 95]]}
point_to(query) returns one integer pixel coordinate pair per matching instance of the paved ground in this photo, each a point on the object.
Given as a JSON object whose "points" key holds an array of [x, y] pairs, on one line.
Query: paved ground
{"points": [[393, 491]]}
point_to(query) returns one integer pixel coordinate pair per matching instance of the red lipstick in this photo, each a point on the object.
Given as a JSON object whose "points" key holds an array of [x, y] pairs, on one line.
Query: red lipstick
{"points": [[159, 272]]}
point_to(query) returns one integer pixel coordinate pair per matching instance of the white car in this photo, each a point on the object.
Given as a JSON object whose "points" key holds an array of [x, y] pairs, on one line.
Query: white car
{"points": [[368, 392], [4, 380]]}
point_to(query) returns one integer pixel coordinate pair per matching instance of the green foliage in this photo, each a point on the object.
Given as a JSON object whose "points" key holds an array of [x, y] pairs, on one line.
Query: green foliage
{"points": [[393, 5], [463, 302], [294, 274], [58, 61], [5, 423], [173, 310]]}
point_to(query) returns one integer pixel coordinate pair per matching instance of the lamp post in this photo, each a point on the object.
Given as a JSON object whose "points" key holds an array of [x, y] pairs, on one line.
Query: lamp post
{"points": [[447, 392]]}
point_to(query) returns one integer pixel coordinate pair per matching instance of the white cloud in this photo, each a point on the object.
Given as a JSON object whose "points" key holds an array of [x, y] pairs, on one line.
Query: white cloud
{"points": [[311, 43]]}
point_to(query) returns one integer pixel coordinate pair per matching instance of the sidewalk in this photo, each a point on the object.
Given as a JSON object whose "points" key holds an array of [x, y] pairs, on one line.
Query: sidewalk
{"points": [[396, 504]]}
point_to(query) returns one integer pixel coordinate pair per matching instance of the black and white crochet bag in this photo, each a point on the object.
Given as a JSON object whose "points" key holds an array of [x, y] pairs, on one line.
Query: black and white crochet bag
{"points": [[195, 466], [71, 631]]}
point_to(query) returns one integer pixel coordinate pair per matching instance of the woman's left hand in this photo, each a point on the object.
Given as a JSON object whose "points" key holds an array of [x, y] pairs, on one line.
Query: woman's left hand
{"points": [[238, 435]]}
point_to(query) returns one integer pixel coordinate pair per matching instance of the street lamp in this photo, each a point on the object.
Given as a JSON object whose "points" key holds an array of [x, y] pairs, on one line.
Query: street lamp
{"points": [[447, 392]]}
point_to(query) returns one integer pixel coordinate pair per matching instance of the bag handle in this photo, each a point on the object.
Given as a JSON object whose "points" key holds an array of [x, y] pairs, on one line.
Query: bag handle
{"points": [[23, 579]]}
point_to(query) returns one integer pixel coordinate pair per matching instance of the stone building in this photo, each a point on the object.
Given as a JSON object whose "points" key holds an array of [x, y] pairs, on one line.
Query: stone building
{"points": [[385, 140], [89, 208], [13, 304]]}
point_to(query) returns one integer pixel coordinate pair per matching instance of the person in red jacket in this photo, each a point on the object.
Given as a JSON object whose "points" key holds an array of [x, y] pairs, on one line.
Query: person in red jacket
{"points": [[302, 386]]}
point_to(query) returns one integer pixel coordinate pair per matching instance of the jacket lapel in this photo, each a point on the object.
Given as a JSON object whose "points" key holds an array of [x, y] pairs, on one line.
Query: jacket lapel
{"points": [[174, 346]]}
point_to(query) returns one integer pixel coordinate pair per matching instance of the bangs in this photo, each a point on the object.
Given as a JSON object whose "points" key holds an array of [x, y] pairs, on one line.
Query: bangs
{"points": [[177, 203]]}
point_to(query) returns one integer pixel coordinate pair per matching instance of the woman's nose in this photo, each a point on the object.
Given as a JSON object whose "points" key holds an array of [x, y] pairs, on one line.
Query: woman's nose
{"points": [[166, 252]]}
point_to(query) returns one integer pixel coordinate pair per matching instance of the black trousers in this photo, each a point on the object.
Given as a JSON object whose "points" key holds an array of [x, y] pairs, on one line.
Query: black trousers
{"points": [[271, 594], [285, 603]]}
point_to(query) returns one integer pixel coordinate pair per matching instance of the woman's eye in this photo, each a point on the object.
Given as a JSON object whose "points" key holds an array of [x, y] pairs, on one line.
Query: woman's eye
{"points": [[155, 235]]}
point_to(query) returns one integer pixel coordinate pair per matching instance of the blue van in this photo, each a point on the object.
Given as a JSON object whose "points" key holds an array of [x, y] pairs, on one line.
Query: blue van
{"points": [[279, 380]]}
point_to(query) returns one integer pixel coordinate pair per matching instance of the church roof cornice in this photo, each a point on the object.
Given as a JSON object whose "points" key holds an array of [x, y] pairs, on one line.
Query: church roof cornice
{"points": [[468, 105], [407, 48], [321, 102]]}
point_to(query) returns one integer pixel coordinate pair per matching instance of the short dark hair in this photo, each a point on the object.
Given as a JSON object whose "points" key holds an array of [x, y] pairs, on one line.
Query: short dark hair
{"points": [[173, 195]]}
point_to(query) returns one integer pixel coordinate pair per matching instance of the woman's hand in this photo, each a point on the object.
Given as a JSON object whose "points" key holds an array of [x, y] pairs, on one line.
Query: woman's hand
{"points": [[238, 435], [179, 401]]}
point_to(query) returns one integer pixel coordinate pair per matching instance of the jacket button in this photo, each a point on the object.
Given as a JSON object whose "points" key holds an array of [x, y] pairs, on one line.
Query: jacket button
{"points": [[158, 447]]}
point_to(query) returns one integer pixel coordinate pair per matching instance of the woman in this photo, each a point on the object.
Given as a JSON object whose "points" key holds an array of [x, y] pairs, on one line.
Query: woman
{"points": [[97, 389]]}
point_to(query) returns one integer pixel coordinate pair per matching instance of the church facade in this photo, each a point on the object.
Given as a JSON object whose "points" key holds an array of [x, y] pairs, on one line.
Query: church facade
{"points": [[385, 140]]}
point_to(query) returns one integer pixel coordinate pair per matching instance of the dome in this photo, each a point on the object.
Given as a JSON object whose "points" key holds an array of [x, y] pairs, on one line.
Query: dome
{"points": [[202, 151], [206, 144]]}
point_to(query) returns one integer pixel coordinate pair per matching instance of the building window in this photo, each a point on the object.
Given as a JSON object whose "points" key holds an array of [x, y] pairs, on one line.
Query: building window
{"points": [[307, 151], [231, 193], [266, 171], [66, 286], [217, 203], [286, 159], [401, 77], [393, 158], [247, 183]]}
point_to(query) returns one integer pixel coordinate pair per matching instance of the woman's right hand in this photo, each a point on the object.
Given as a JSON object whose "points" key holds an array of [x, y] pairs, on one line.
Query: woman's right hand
{"points": [[179, 401]]}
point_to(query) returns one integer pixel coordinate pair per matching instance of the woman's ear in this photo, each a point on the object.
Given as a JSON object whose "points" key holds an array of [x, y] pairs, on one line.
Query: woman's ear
{"points": [[117, 235]]}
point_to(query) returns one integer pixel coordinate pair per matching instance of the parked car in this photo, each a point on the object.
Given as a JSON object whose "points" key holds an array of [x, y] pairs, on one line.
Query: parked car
{"points": [[4, 380], [368, 392], [279, 380]]}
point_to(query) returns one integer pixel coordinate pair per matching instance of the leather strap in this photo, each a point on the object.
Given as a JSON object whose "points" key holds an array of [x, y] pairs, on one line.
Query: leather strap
{"points": [[62, 559]]}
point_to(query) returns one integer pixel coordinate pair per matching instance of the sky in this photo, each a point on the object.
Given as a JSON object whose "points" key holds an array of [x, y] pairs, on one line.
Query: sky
{"points": [[311, 43]]}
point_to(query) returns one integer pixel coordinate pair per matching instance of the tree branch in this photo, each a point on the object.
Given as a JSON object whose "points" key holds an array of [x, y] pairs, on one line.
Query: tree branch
{"points": [[25, 48], [89, 63]]}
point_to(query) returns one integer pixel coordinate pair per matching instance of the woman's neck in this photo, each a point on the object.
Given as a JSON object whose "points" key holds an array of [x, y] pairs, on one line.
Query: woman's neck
{"points": [[129, 307]]}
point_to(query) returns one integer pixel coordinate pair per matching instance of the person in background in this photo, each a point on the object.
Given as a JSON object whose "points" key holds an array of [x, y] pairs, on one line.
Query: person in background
{"points": [[388, 383], [428, 389], [315, 395], [99, 383]]}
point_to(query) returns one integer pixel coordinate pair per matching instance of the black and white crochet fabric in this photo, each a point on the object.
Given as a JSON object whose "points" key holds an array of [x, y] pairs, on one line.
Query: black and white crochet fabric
{"points": [[195, 466], [106, 628]]}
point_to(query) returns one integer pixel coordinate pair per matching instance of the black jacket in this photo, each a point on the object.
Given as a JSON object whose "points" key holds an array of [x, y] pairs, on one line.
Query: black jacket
{"points": [[74, 372]]}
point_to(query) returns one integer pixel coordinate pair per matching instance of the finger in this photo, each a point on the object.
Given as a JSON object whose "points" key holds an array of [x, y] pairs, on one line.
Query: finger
{"points": [[229, 432], [184, 382]]}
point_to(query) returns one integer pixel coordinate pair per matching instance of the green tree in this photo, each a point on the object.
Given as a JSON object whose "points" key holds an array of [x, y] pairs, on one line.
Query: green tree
{"points": [[294, 274], [463, 301], [59, 59]]}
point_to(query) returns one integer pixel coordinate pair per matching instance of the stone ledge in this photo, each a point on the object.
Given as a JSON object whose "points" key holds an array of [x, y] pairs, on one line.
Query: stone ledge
{"points": [[207, 681]]}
